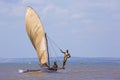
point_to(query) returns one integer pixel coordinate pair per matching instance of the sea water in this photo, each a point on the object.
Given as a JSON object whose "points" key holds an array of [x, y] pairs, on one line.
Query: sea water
{"points": [[76, 69]]}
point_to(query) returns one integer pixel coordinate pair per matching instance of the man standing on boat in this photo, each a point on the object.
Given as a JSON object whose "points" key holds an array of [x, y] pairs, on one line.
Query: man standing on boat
{"points": [[66, 56]]}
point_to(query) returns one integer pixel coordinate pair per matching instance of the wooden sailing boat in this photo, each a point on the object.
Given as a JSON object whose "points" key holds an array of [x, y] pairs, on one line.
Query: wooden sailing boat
{"points": [[37, 36]]}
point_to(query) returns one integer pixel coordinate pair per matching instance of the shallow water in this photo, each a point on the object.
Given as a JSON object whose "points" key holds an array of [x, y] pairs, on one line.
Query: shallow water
{"points": [[76, 69]]}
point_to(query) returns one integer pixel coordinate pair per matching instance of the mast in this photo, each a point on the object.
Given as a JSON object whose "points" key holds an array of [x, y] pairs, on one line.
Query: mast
{"points": [[47, 49]]}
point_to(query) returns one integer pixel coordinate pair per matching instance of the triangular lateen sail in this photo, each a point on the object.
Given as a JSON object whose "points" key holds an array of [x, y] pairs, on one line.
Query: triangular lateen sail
{"points": [[36, 34]]}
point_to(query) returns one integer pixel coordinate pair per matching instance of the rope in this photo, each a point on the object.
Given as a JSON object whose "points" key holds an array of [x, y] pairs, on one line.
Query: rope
{"points": [[53, 47], [54, 42]]}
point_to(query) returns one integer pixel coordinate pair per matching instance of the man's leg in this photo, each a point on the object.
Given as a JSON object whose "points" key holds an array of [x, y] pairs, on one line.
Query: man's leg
{"points": [[64, 64]]}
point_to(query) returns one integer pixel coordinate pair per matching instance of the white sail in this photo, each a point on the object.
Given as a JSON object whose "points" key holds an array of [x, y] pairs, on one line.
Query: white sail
{"points": [[36, 34]]}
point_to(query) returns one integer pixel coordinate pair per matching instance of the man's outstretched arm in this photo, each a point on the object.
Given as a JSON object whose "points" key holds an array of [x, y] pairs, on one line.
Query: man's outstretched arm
{"points": [[62, 51]]}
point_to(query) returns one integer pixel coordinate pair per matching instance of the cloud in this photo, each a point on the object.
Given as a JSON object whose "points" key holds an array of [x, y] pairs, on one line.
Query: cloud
{"points": [[47, 8], [115, 5], [33, 1], [3, 8], [93, 4], [11, 14], [52, 8], [16, 9], [77, 16], [93, 20]]}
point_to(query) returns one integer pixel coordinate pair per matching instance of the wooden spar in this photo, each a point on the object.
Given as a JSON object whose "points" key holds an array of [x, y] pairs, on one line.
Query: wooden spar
{"points": [[47, 50]]}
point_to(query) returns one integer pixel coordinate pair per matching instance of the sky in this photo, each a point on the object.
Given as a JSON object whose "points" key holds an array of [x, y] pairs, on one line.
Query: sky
{"points": [[87, 28]]}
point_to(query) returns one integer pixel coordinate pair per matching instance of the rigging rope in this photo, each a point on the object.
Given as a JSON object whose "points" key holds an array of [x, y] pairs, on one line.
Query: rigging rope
{"points": [[53, 47], [54, 42]]}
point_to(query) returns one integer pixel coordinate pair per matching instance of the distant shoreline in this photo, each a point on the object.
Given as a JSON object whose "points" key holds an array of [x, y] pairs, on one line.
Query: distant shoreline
{"points": [[62, 57]]}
